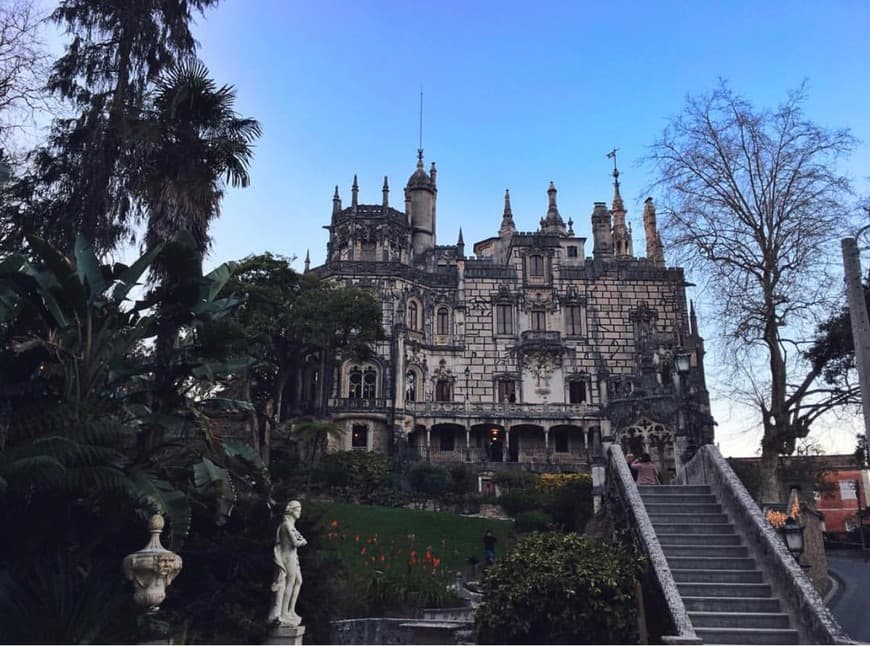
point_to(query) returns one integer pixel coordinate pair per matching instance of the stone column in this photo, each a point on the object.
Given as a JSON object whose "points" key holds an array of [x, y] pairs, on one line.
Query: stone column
{"points": [[467, 444], [428, 441], [860, 322]]}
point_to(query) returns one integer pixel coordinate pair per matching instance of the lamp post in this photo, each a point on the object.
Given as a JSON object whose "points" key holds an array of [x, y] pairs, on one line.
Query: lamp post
{"points": [[794, 538], [683, 363]]}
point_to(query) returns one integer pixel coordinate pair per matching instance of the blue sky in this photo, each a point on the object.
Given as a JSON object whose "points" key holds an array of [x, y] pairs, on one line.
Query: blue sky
{"points": [[516, 94]]}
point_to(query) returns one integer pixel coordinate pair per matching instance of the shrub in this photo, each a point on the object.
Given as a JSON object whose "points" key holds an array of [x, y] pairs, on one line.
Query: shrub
{"points": [[517, 501], [429, 479], [533, 521], [462, 479], [515, 479], [571, 503], [560, 589], [360, 473]]}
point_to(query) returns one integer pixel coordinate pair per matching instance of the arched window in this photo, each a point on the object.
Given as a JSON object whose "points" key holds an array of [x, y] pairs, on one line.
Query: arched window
{"points": [[442, 321], [370, 383], [413, 319], [362, 382], [410, 386], [355, 380]]}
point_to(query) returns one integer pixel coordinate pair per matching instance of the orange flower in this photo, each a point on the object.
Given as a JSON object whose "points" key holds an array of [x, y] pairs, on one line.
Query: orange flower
{"points": [[334, 523]]}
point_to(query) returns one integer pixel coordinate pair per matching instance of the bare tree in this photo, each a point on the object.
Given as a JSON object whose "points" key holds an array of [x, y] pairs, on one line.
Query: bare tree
{"points": [[23, 67], [754, 205]]}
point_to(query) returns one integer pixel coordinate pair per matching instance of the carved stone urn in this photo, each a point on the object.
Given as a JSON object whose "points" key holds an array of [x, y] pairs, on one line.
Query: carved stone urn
{"points": [[151, 569]]}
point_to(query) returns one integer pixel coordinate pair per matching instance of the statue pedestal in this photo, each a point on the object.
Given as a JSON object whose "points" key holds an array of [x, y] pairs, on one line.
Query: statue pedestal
{"points": [[286, 636]]}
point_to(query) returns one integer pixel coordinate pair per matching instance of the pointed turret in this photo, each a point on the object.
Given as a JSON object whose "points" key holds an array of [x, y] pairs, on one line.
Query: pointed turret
{"points": [[354, 193], [693, 319], [307, 261], [507, 219], [553, 222], [336, 201], [420, 195], [621, 241], [654, 249], [386, 192], [460, 245]]}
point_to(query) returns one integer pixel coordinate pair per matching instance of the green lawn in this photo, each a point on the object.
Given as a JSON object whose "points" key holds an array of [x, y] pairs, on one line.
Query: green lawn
{"points": [[394, 534]]}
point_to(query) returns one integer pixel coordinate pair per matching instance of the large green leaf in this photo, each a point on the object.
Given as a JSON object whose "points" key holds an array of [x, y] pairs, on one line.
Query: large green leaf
{"points": [[127, 280], [162, 497], [215, 280], [211, 478], [88, 269]]}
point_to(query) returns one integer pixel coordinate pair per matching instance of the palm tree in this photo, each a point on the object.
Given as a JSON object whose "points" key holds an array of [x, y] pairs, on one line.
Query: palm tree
{"points": [[197, 145]]}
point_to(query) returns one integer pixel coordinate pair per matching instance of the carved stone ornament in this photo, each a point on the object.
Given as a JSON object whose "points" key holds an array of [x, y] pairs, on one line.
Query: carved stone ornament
{"points": [[152, 569]]}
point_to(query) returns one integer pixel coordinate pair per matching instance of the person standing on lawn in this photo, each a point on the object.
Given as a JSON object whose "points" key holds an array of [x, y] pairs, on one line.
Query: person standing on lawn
{"points": [[489, 541]]}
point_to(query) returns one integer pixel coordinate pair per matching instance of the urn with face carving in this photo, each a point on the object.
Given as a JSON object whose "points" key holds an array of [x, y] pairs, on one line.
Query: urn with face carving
{"points": [[152, 569]]}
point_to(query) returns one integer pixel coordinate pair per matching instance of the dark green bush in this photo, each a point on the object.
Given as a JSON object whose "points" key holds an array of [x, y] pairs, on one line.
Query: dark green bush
{"points": [[358, 473], [571, 505], [515, 479], [532, 521], [429, 479], [517, 501], [462, 479], [554, 588]]}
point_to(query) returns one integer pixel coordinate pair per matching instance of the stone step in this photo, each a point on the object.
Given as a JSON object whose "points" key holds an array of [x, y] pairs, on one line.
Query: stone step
{"points": [[462, 613], [724, 589], [698, 539], [673, 490], [713, 563], [717, 576], [747, 635], [687, 527], [706, 619], [687, 518], [732, 604], [685, 498], [681, 508], [706, 551]]}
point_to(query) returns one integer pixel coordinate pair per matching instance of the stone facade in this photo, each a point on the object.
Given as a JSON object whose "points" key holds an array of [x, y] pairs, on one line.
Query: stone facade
{"points": [[527, 352]]}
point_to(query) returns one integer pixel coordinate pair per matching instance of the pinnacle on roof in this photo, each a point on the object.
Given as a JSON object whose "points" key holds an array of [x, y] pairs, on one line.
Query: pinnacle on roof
{"points": [[507, 218], [386, 192], [354, 192]]}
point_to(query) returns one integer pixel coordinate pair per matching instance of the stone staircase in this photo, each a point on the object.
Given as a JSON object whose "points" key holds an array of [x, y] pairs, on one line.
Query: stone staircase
{"points": [[722, 587]]}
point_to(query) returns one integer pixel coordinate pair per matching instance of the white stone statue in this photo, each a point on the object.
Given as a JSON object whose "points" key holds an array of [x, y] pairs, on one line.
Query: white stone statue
{"points": [[288, 574]]}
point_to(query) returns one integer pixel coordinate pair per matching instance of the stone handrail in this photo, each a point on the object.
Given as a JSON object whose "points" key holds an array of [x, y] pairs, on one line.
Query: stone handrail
{"points": [[619, 477], [502, 409], [710, 468]]}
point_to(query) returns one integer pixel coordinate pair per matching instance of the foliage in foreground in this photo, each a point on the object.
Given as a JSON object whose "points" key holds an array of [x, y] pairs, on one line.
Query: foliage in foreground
{"points": [[560, 589]]}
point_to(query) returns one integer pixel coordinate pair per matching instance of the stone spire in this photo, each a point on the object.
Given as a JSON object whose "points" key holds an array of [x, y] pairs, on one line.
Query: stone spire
{"points": [[336, 201], [621, 240], [693, 319], [386, 192], [654, 249], [507, 218], [460, 245], [570, 227], [354, 193], [307, 261], [553, 222]]}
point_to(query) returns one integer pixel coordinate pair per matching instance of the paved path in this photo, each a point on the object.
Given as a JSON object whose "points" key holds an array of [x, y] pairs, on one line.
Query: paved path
{"points": [[851, 604]]}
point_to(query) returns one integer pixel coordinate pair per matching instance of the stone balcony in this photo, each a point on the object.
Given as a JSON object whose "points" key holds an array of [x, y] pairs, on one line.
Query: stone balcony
{"points": [[505, 409], [540, 340]]}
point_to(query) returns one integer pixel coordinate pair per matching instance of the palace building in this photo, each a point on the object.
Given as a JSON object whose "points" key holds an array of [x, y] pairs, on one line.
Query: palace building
{"points": [[527, 351]]}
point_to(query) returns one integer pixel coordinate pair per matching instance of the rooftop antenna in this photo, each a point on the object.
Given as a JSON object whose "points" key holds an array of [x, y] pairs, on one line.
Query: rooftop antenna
{"points": [[420, 131]]}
